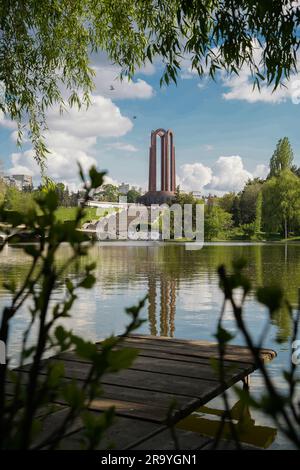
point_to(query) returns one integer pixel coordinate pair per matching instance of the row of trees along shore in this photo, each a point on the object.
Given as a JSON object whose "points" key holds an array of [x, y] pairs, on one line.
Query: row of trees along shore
{"points": [[264, 208]]}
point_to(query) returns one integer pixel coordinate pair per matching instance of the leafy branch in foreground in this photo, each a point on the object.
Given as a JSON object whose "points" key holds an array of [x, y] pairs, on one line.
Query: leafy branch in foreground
{"points": [[280, 404], [26, 398], [46, 47]]}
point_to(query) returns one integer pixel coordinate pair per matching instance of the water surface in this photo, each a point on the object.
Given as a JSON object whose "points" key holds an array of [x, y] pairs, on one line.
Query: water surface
{"points": [[184, 296]]}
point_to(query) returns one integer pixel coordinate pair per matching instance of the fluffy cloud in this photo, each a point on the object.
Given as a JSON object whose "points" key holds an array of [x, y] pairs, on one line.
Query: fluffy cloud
{"points": [[7, 123], [59, 166], [227, 174], [102, 119], [194, 176], [261, 171], [72, 137], [240, 87], [109, 85]]}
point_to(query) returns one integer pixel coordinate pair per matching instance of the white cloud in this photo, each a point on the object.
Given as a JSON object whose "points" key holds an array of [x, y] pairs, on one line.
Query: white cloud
{"points": [[148, 68], [240, 87], [72, 137], [7, 123], [226, 174], [101, 119], [229, 174], [59, 166], [261, 171], [108, 84], [122, 146], [194, 176]]}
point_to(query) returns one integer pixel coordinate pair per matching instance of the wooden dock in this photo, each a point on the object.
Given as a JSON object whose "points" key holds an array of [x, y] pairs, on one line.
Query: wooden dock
{"points": [[166, 369]]}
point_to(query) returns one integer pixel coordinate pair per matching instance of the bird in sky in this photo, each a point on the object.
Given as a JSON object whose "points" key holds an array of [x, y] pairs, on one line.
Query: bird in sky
{"points": [[111, 88]]}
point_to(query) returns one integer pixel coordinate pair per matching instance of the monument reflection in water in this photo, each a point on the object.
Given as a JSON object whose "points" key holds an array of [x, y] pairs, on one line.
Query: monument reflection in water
{"points": [[161, 305]]}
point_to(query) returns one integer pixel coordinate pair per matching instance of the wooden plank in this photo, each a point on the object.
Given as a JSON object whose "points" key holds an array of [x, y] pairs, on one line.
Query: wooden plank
{"points": [[165, 369], [151, 413], [161, 353], [159, 382], [199, 343], [195, 348], [145, 396], [187, 440], [51, 424], [119, 435], [169, 383], [166, 365], [184, 369]]}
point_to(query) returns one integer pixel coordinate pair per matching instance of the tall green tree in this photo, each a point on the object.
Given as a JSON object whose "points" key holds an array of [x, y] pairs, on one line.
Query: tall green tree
{"points": [[258, 214], [46, 46], [248, 199], [282, 158], [281, 203], [2, 191], [226, 201]]}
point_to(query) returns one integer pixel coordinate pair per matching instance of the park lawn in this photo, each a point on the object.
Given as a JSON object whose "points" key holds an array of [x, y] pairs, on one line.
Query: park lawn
{"points": [[91, 213], [68, 213]]}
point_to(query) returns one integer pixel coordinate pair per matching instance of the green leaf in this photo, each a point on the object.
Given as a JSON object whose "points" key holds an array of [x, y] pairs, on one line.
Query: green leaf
{"points": [[55, 373], [96, 177], [123, 359], [88, 281], [73, 395], [270, 296], [223, 336]]}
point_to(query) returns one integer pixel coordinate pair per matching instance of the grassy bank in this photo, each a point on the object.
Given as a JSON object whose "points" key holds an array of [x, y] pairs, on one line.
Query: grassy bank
{"points": [[91, 213], [68, 213]]}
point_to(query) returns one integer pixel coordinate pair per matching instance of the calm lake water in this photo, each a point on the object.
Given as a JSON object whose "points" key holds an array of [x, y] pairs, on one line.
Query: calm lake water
{"points": [[184, 300]]}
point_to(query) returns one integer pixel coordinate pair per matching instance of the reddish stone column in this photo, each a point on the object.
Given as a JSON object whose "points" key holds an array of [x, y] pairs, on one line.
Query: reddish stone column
{"points": [[152, 179], [162, 158], [167, 155], [167, 165], [173, 170]]}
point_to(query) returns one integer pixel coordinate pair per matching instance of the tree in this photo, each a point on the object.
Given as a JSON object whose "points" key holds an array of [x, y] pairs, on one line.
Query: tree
{"points": [[19, 201], [248, 199], [282, 158], [296, 170], [133, 195], [45, 46], [281, 203], [217, 222], [2, 191], [258, 214], [226, 202], [109, 192]]}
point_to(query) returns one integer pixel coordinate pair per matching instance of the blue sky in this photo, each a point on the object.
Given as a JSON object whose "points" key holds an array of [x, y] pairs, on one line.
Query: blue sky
{"points": [[224, 132]]}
